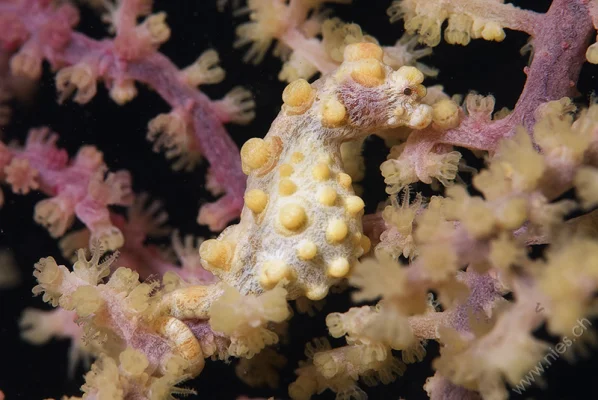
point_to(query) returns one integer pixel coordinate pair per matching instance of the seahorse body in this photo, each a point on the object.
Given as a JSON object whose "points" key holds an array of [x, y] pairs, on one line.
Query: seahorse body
{"points": [[301, 224]]}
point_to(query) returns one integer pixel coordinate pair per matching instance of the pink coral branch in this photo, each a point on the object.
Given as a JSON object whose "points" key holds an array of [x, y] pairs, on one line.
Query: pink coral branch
{"points": [[124, 15], [131, 56], [147, 220], [560, 42], [77, 188], [467, 19], [150, 261], [506, 15]]}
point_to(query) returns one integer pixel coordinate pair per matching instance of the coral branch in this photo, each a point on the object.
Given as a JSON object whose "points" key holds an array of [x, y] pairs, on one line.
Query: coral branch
{"points": [[457, 268], [303, 53], [160, 351], [555, 67], [78, 188], [467, 19], [131, 56], [146, 221]]}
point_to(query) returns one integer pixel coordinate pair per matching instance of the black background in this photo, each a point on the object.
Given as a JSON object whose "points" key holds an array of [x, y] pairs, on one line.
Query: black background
{"points": [[28, 372]]}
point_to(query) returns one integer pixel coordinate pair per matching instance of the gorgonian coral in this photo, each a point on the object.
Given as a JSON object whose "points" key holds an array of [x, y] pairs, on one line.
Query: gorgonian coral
{"points": [[457, 263]]}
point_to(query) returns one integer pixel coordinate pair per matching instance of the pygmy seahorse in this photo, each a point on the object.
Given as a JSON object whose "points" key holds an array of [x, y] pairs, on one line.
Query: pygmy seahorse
{"points": [[301, 223]]}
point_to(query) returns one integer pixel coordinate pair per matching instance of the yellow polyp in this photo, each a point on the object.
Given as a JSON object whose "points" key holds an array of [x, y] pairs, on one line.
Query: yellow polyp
{"points": [[86, 300], [255, 153], [354, 204], [286, 187], [216, 253], [333, 113], [256, 200], [321, 172], [477, 27], [493, 31], [156, 26], [133, 362], [336, 231], [123, 92], [292, 216], [298, 96], [445, 114], [368, 73], [344, 180], [327, 196], [339, 267], [307, 250], [285, 170], [273, 272], [297, 157], [361, 51], [457, 32], [413, 75], [480, 220], [514, 214]]}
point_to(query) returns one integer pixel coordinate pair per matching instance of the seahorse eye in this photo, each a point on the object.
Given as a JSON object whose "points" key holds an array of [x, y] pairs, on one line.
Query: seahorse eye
{"points": [[407, 92]]}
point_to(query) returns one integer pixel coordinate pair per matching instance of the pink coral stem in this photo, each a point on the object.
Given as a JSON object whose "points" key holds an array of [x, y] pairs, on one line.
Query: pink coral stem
{"points": [[158, 72]]}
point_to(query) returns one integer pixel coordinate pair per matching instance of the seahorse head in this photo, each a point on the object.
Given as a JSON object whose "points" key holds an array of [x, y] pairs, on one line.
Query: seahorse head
{"points": [[374, 95], [362, 96]]}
